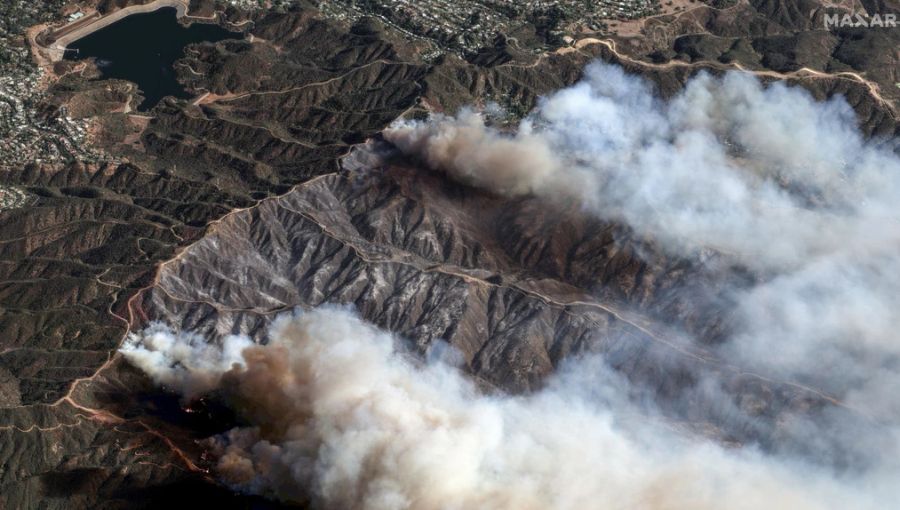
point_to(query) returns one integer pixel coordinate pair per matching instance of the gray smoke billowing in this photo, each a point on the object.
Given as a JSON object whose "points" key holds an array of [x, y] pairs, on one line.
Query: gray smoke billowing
{"points": [[344, 417], [714, 168], [781, 184], [186, 361], [506, 164]]}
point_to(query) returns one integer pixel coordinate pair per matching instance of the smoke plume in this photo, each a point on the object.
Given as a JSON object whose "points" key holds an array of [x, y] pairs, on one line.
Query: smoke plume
{"points": [[765, 174], [186, 361], [781, 184], [342, 416]]}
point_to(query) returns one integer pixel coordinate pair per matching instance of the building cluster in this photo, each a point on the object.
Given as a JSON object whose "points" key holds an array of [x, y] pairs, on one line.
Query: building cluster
{"points": [[622, 10], [254, 4], [12, 197], [28, 133], [30, 130], [467, 25]]}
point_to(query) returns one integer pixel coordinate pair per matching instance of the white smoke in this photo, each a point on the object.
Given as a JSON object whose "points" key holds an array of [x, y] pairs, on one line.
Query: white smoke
{"points": [[782, 184], [345, 419], [186, 362], [767, 176], [715, 168], [778, 182]]}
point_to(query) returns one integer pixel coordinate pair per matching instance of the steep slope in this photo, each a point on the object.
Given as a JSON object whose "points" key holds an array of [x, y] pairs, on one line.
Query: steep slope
{"points": [[517, 286]]}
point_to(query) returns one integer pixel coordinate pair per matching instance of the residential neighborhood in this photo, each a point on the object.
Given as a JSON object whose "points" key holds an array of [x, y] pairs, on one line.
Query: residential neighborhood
{"points": [[30, 132], [468, 25]]}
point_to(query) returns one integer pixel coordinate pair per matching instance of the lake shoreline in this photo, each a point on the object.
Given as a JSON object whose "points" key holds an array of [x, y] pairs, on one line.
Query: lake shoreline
{"points": [[78, 29], [142, 48]]}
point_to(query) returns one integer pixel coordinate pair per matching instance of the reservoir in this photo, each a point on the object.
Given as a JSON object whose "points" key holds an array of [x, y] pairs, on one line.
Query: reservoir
{"points": [[143, 48]]}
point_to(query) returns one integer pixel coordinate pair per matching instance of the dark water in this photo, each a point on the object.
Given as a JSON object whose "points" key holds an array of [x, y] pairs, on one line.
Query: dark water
{"points": [[142, 48]]}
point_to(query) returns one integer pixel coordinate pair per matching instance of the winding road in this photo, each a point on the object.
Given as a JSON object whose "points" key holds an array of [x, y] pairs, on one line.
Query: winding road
{"points": [[803, 72]]}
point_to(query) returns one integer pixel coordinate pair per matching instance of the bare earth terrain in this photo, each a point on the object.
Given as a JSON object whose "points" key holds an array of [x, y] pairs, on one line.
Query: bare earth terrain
{"points": [[273, 189]]}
